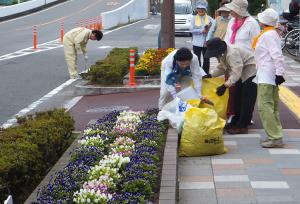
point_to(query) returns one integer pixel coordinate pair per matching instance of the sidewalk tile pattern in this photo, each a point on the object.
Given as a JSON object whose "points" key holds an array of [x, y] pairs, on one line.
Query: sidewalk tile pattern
{"points": [[246, 174]]}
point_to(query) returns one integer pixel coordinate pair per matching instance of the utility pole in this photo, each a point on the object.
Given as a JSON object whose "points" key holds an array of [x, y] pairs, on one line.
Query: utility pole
{"points": [[167, 35]]}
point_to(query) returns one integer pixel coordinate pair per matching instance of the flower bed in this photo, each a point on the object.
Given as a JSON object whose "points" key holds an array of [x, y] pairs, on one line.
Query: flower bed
{"points": [[149, 64], [118, 161]]}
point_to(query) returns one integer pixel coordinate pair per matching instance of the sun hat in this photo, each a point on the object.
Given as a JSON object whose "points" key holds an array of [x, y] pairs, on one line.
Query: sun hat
{"points": [[223, 8], [215, 48], [268, 17], [239, 7], [201, 6]]}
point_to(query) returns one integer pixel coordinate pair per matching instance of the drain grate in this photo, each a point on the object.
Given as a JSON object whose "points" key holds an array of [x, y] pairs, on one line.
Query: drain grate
{"points": [[107, 109]]}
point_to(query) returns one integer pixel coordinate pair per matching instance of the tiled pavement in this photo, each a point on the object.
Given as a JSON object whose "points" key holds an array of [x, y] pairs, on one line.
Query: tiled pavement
{"points": [[247, 174]]}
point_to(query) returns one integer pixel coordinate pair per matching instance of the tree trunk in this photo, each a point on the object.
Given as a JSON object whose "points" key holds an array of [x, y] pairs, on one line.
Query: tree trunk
{"points": [[167, 36]]}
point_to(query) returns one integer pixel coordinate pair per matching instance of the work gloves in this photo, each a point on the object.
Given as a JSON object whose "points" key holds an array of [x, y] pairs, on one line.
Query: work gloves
{"points": [[279, 80], [207, 76], [221, 90], [86, 57]]}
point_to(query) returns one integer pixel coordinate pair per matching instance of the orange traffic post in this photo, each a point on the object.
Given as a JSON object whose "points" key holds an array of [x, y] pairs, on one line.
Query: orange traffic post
{"points": [[91, 23], [62, 31], [81, 23], [95, 23], [100, 23], [131, 69], [34, 37], [86, 23]]}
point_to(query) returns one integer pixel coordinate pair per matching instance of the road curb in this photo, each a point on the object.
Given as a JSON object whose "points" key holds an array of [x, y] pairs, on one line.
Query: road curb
{"points": [[82, 89]]}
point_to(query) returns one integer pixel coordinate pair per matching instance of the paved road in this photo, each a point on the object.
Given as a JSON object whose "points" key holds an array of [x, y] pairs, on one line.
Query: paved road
{"points": [[17, 34], [25, 79]]}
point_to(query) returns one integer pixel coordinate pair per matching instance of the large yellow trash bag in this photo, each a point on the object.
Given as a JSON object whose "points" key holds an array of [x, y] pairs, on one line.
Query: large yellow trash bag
{"points": [[209, 87], [202, 133]]}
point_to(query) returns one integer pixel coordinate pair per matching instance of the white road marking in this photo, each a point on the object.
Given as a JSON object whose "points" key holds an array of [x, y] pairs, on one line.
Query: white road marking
{"points": [[112, 3], [243, 136], [196, 185], [284, 151], [32, 106], [227, 161], [151, 26], [230, 143], [232, 178], [269, 184], [72, 102], [104, 47], [28, 51]]}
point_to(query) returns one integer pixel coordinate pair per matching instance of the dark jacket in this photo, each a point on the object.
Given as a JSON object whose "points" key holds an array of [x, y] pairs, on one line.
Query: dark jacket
{"points": [[294, 8]]}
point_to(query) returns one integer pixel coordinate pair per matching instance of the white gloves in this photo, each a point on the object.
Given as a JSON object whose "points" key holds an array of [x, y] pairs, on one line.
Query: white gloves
{"points": [[86, 57]]}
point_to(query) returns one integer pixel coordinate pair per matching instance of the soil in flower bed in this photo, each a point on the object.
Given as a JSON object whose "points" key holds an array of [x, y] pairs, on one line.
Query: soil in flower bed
{"points": [[119, 160]]}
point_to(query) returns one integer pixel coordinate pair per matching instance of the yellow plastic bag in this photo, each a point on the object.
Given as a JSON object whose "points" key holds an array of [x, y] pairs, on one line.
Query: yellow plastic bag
{"points": [[202, 133], [209, 87]]}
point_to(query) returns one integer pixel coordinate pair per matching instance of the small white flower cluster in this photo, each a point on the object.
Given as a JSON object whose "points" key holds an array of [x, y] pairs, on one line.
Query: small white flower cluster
{"points": [[106, 174], [127, 122], [92, 141], [91, 196], [90, 131]]}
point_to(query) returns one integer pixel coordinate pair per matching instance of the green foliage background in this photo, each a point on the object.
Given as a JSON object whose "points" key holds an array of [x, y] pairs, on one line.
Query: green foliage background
{"points": [[254, 6]]}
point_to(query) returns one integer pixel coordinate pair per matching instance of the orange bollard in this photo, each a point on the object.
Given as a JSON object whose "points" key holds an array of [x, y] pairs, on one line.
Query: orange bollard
{"points": [[81, 23], [62, 31], [34, 37], [131, 69], [100, 23], [95, 24], [91, 23], [86, 23]]}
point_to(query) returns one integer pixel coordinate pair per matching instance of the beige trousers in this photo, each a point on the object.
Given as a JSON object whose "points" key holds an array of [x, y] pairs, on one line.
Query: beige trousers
{"points": [[71, 57]]}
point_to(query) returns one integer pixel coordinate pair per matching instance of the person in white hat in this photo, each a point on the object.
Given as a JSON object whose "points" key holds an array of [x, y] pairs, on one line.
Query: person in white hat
{"points": [[270, 70], [200, 26], [241, 30], [219, 26]]}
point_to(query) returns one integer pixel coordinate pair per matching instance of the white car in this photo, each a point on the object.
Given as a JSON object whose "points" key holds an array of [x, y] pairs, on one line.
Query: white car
{"points": [[183, 16]]}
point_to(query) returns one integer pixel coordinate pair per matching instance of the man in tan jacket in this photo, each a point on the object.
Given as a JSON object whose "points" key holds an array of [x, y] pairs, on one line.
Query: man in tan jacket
{"points": [[239, 65], [75, 41]]}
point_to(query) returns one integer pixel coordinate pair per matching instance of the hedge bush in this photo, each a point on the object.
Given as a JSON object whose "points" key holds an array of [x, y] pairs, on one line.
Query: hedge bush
{"points": [[112, 69], [30, 149]]}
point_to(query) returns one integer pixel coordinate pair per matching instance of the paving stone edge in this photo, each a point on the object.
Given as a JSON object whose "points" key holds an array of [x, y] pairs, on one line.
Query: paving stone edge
{"points": [[169, 177], [85, 90]]}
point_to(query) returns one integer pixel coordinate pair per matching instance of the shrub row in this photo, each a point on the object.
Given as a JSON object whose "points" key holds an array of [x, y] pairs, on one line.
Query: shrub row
{"points": [[30, 149], [112, 69]]}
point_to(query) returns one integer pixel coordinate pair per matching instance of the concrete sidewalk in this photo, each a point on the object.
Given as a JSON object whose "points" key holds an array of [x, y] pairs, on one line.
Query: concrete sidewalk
{"points": [[247, 174]]}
